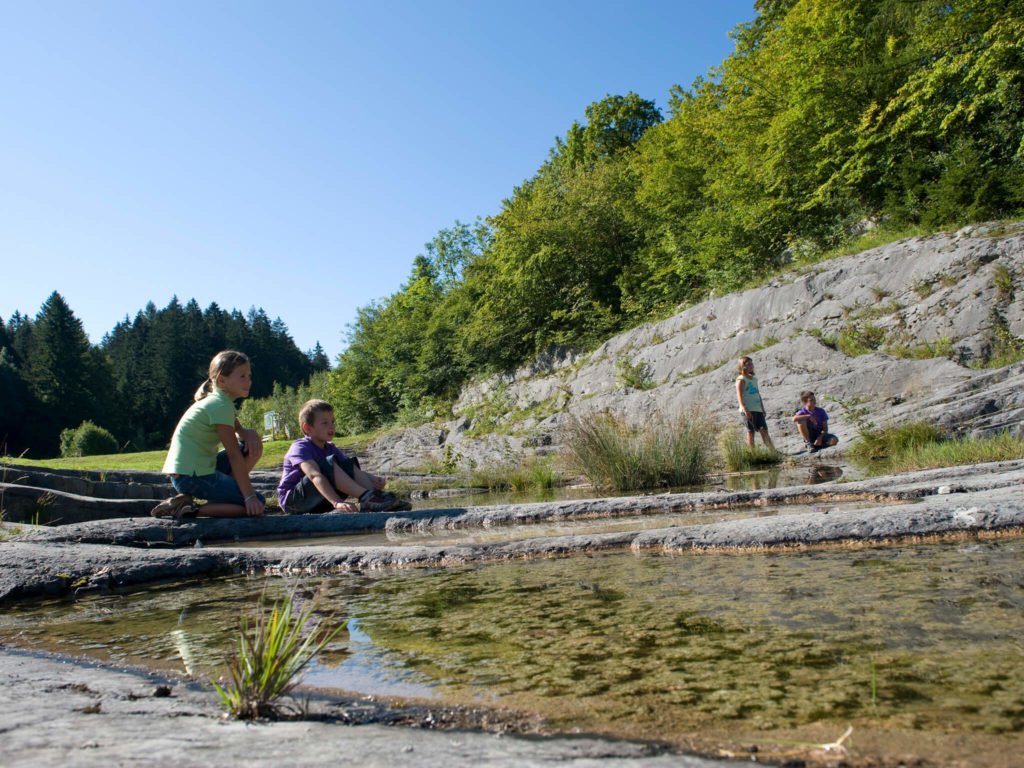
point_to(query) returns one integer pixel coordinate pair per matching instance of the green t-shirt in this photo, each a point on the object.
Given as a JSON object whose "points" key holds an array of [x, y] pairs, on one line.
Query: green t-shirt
{"points": [[195, 442]]}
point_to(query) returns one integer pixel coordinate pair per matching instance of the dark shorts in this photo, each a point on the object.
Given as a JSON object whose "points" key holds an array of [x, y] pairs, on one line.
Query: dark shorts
{"points": [[825, 437], [755, 423], [218, 488], [305, 499]]}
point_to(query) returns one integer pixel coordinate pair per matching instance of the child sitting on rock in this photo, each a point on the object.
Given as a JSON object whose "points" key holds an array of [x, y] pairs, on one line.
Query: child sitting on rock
{"points": [[193, 462], [317, 477], [812, 422]]}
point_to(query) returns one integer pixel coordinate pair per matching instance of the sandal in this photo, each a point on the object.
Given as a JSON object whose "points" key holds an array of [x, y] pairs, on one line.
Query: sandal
{"points": [[175, 507]]}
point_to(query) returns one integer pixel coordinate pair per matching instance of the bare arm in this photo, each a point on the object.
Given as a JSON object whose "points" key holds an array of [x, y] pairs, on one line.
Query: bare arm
{"points": [[252, 439], [322, 483], [239, 469], [739, 396]]}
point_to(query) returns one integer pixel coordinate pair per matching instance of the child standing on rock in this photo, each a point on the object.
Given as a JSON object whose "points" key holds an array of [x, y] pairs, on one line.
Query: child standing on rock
{"points": [[195, 465], [317, 477], [751, 405]]}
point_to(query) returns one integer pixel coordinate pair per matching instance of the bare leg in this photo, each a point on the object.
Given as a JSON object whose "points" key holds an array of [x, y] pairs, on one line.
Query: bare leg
{"points": [[218, 509], [750, 439], [804, 431], [764, 436], [347, 485], [367, 480]]}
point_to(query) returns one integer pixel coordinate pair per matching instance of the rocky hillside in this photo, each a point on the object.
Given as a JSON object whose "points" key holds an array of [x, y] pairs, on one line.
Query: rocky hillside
{"points": [[889, 335]]}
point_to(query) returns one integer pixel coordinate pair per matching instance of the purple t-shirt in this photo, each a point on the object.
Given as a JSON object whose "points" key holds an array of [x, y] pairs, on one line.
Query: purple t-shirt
{"points": [[302, 450], [818, 422]]}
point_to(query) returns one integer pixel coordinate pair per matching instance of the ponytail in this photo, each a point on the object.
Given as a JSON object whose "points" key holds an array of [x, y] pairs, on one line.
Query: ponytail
{"points": [[204, 389]]}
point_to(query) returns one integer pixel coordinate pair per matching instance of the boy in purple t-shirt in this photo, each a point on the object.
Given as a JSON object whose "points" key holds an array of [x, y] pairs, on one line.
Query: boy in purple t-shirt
{"points": [[318, 477], [813, 424]]}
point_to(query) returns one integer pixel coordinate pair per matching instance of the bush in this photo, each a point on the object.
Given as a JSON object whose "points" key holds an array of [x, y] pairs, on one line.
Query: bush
{"points": [[87, 439], [660, 453]]}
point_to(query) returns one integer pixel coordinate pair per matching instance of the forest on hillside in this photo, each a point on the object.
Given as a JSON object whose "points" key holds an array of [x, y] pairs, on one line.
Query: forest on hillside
{"points": [[830, 116], [137, 382]]}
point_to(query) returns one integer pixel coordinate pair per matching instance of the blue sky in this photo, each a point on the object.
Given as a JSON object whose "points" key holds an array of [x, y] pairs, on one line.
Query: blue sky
{"points": [[294, 156]]}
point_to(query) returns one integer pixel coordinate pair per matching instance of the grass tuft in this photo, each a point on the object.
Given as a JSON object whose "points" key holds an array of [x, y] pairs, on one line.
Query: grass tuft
{"points": [[738, 457], [920, 445], [272, 652], [661, 453]]}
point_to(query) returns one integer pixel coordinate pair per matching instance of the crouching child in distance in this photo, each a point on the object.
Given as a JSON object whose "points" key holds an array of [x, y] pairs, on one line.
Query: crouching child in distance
{"points": [[812, 423]]}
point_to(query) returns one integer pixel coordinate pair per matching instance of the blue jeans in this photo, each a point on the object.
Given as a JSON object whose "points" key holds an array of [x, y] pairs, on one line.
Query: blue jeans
{"points": [[218, 488]]}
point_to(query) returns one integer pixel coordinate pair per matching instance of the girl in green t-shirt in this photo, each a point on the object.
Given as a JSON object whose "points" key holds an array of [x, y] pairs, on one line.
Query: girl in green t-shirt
{"points": [[196, 462]]}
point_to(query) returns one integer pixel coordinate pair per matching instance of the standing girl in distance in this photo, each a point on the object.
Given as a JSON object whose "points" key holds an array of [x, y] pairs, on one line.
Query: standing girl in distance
{"points": [[194, 462], [751, 407]]}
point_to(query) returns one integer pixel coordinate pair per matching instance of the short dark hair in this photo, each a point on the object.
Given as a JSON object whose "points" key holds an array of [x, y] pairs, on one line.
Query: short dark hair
{"points": [[807, 395]]}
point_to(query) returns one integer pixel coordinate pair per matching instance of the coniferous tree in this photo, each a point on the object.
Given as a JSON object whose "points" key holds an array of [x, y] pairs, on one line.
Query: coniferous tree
{"points": [[60, 372]]}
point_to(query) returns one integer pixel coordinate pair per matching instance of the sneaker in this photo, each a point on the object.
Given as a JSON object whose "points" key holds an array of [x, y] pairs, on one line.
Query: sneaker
{"points": [[377, 502], [174, 507], [401, 505], [814, 448]]}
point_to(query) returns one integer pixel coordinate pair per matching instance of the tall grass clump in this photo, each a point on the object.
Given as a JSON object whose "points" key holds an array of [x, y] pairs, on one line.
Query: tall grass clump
{"points": [[738, 457], [923, 446], [885, 443], [616, 455], [959, 451], [272, 651]]}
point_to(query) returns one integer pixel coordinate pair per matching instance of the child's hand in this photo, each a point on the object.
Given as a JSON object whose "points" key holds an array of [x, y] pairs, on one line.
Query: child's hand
{"points": [[344, 506], [253, 443], [253, 506]]}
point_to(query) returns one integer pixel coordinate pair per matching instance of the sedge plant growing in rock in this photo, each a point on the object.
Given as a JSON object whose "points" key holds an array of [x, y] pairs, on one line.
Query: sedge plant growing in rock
{"points": [[273, 650], [662, 452]]}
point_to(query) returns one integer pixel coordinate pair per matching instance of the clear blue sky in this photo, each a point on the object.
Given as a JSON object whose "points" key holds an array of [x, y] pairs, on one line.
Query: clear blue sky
{"points": [[294, 156]]}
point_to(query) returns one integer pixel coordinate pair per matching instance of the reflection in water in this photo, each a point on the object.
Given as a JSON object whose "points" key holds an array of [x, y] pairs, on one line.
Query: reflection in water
{"points": [[925, 637], [783, 477]]}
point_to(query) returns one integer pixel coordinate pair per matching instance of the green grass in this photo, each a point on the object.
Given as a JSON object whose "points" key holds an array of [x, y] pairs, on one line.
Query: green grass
{"points": [[531, 475], [273, 649], [660, 453], [737, 457], [919, 445]]}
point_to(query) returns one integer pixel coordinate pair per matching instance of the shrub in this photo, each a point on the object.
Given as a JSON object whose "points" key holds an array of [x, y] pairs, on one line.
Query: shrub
{"points": [[87, 439], [660, 453]]}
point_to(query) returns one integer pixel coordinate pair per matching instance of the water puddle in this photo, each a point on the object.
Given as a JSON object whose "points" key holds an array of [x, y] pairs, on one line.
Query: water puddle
{"points": [[773, 477], [923, 638]]}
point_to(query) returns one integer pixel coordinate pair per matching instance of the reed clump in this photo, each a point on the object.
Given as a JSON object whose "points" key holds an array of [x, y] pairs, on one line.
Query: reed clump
{"points": [[920, 445], [738, 457], [616, 455], [273, 650]]}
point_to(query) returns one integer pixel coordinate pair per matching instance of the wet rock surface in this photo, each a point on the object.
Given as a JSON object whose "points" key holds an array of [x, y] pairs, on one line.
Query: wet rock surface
{"points": [[56, 712], [105, 554]]}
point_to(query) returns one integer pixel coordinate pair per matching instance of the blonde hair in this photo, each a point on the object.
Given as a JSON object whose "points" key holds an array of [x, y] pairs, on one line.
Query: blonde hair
{"points": [[310, 409], [223, 364], [742, 361]]}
